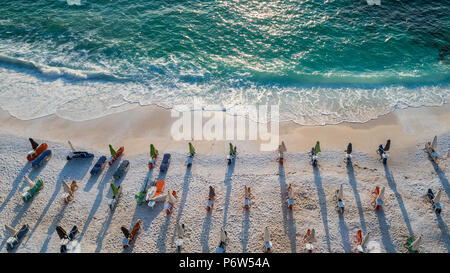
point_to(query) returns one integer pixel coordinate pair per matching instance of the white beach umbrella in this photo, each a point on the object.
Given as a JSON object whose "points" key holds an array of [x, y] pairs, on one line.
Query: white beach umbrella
{"points": [[437, 198], [434, 143]]}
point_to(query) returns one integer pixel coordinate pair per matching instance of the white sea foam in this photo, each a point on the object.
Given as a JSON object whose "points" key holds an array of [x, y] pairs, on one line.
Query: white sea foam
{"points": [[74, 2], [54, 72], [28, 96]]}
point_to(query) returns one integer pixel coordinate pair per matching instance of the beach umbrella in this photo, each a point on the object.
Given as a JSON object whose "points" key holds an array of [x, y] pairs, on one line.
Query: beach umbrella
{"points": [[71, 146], [317, 148], [212, 193], [34, 144], [266, 235], [114, 189], [231, 149], [153, 151], [388, 145], [365, 240], [340, 193], [415, 245], [381, 194], [180, 230], [30, 183], [437, 198], [62, 234], [191, 149], [111, 150], [282, 148], [434, 144], [171, 198], [223, 235], [312, 235], [12, 231], [349, 148]]}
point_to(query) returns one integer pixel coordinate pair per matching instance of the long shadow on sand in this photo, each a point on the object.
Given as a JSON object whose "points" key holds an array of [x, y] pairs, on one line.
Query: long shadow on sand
{"points": [[343, 229], [292, 231], [186, 182], [227, 182], [444, 232], [15, 185], [161, 241], [323, 204], [288, 222], [52, 227], [352, 180], [204, 238], [384, 228], [90, 183], [245, 228], [393, 186], [98, 200], [82, 166], [104, 228], [441, 175]]}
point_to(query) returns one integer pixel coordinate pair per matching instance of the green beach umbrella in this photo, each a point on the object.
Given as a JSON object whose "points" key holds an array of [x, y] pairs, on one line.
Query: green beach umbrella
{"points": [[191, 148], [231, 149], [140, 196], [114, 189], [153, 151], [317, 148], [111, 150]]}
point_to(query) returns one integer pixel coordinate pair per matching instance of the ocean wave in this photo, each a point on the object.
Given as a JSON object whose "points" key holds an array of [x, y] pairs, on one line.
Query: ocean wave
{"points": [[306, 105], [74, 2], [57, 72], [321, 62]]}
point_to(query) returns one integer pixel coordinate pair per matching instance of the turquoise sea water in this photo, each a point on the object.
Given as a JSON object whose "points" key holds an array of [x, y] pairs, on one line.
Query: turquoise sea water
{"points": [[322, 61]]}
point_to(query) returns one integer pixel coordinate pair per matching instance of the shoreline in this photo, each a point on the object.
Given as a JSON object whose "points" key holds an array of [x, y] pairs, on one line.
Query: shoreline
{"points": [[138, 127]]}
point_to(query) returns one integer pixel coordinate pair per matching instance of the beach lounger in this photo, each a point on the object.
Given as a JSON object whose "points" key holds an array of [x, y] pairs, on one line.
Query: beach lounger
{"points": [[77, 154], [98, 167], [43, 157], [165, 163], [37, 150], [155, 194], [124, 166]]}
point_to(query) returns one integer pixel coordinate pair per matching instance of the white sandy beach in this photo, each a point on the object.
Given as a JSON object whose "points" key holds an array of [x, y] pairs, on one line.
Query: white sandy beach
{"points": [[407, 176]]}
